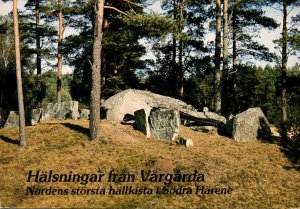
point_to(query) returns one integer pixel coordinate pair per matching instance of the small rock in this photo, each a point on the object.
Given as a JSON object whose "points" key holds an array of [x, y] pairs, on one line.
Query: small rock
{"points": [[186, 142], [205, 109], [36, 116], [205, 129], [250, 125], [12, 120], [275, 131]]}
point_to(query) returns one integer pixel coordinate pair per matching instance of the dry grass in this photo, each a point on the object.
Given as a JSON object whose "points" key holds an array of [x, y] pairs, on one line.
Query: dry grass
{"points": [[261, 174]]}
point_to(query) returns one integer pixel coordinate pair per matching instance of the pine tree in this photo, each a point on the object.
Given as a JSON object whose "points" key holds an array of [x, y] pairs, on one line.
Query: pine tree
{"points": [[121, 50], [285, 51], [59, 51], [22, 132], [180, 50], [225, 72], [245, 16], [96, 72], [37, 30], [284, 73], [217, 80], [179, 55]]}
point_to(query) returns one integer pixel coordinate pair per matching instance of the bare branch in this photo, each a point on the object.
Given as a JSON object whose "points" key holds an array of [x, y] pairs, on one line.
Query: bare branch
{"points": [[237, 38], [290, 11], [293, 26], [290, 51], [234, 3], [277, 8], [67, 24], [115, 9], [90, 62], [135, 4], [233, 72], [118, 87], [249, 50], [138, 5], [280, 51], [131, 7], [290, 98]]}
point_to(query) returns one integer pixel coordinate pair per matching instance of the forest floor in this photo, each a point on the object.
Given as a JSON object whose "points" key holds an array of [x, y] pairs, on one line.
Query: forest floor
{"points": [[262, 175]]}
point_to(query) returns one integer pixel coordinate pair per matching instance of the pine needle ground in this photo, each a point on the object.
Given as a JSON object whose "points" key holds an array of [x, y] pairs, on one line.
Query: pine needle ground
{"points": [[261, 174]]}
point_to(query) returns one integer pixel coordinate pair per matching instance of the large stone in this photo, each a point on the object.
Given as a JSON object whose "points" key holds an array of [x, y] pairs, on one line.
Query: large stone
{"points": [[161, 123], [131, 100], [64, 110], [36, 116], [203, 118], [250, 125], [84, 114], [12, 120], [141, 122], [164, 124]]}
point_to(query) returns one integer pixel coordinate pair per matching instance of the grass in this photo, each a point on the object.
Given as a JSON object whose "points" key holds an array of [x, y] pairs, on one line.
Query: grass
{"points": [[261, 174]]}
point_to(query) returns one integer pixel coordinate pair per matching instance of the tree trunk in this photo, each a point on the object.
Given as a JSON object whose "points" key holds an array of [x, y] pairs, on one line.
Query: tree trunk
{"points": [[173, 86], [217, 78], [38, 52], [234, 60], [181, 73], [59, 51], [96, 73], [19, 77], [6, 62], [37, 37], [225, 59], [283, 73]]}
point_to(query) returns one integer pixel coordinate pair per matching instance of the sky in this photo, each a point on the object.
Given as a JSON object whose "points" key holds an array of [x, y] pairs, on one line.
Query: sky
{"points": [[266, 36]]}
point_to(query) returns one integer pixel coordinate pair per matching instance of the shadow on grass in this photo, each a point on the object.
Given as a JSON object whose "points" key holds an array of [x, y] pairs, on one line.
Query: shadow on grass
{"points": [[77, 128], [291, 149], [8, 140]]}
